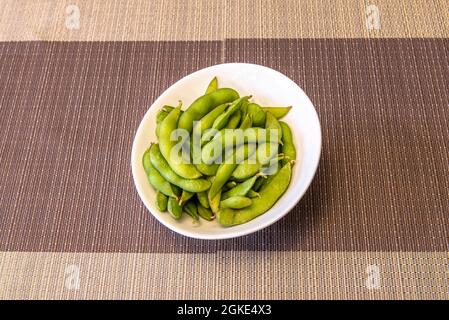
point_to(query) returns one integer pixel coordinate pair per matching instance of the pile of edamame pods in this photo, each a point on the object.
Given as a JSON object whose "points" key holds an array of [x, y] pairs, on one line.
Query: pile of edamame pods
{"points": [[235, 184]]}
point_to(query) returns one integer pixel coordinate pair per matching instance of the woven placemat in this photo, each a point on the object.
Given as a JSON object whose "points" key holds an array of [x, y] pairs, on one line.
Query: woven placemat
{"points": [[374, 223]]}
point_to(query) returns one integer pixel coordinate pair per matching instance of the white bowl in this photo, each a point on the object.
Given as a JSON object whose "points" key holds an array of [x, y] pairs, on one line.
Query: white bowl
{"points": [[268, 88]]}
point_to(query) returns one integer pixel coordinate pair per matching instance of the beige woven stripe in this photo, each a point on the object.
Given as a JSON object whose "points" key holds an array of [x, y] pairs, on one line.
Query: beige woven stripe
{"points": [[225, 275], [216, 20]]}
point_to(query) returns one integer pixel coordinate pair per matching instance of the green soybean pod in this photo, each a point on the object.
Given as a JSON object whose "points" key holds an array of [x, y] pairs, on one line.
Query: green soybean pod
{"points": [[226, 139], [156, 180], [161, 115], [244, 108], [214, 203], [174, 208], [252, 194], [205, 213], [185, 196], [159, 162], [288, 147], [247, 122], [223, 119], [270, 176], [273, 124], [161, 201], [273, 166], [167, 126], [225, 188], [225, 170], [246, 170], [202, 199], [257, 114], [207, 169], [168, 108], [270, 171], [191, 209], [259, 182], [234, 120], [266, 153], [204, 104], [177, 190], [278, 112], [237, 202], [207, 121], [230, 184], [268, 197], [213, 85], [240, 189]]}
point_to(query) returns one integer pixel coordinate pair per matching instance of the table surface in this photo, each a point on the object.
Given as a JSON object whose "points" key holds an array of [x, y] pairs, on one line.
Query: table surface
{"points": [[76, 77]]}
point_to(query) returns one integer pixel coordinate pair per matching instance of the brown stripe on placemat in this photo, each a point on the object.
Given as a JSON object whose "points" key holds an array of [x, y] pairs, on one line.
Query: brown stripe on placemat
{"points": [[69, 111]]}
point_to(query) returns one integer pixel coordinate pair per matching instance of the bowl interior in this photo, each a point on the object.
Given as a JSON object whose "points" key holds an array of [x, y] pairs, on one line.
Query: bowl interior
{"points": [[268, 88]]}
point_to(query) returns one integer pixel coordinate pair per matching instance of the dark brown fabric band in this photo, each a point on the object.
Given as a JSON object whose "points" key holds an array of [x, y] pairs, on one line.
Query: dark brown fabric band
{"points": [[69, 112]]}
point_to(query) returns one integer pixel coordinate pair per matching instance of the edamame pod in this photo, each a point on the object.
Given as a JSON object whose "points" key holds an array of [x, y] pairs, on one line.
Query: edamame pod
{"points": [[192, 210], [230, 184], [223, 119], [186, 195], [234, 120], [207, 169], [161, 115], [257, 114], [278, 112], [247, 170], [204, 104], [244, 108], [207, 121], [241, 189], [213, 85], [167, 126], [259, 182], [252, 194], [174, 208], [225, 170], [202, 198], [223, 174], [214, 203], [273, 124], [161, 201], [177, 190], [226, 139], [156, 180], [168, 108], [265, 154], [205, 213], [159, 162], [267, 181], [247, 122], [237, 202], [268, 197], [288, 147]]}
